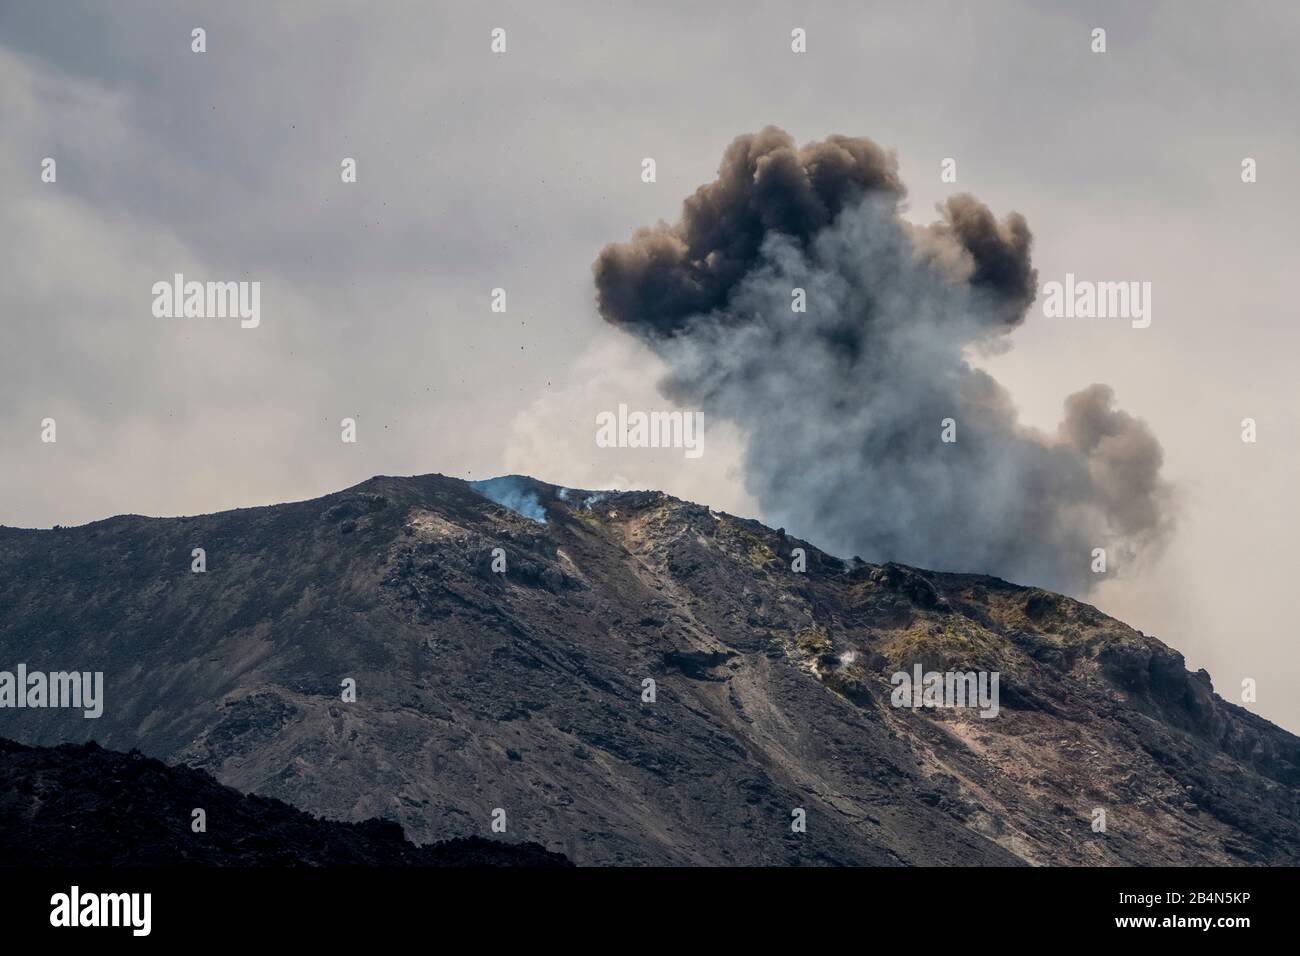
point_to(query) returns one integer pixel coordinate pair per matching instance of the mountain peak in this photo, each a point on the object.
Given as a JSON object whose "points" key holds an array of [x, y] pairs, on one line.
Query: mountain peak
{"points": [[635, 678]]}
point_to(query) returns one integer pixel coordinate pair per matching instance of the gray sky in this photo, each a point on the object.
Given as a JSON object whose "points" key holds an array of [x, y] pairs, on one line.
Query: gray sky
{"points": [[479, 170]]}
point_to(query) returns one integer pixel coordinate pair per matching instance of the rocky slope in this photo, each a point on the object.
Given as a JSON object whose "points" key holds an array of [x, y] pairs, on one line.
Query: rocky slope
{"points": [[523, 690], [84, 806]]}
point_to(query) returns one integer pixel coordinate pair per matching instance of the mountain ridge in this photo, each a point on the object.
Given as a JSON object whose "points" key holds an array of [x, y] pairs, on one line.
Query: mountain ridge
{"points": [[522, 690], [81, 805]]}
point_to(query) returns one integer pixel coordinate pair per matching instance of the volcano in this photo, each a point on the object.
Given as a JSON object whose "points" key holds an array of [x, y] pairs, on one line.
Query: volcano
{"points": [[628, 678]]}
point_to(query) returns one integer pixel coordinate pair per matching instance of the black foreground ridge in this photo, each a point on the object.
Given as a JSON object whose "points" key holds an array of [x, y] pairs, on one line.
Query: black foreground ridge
{"points": [[86, 806], [523, 691]]}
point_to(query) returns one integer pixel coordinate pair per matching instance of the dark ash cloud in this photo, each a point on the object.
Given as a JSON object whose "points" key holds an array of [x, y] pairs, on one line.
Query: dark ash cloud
{"points": [[841, 406]]}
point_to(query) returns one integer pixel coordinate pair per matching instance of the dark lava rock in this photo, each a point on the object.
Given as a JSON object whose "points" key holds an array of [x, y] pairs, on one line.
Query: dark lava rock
{"points": [[86, 806]]}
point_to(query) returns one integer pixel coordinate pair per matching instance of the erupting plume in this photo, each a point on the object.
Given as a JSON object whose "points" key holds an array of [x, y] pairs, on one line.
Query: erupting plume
{"points": [[842, 405]]}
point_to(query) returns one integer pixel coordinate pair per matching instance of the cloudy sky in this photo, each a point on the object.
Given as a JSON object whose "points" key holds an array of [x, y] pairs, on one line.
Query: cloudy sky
{"points": [[478, 170]]}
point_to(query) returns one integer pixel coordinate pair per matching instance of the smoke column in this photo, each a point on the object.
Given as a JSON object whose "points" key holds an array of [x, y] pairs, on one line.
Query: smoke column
{"points": [[842, 405]]}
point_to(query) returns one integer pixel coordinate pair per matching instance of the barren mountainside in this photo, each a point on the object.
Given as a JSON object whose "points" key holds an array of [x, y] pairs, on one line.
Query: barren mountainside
{"points": [[523, 690]]}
